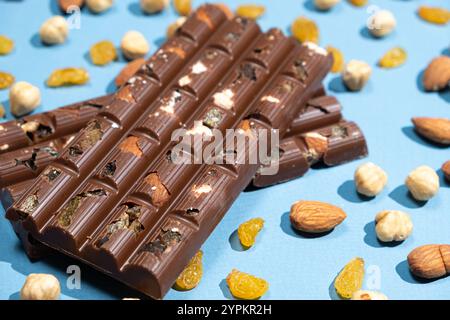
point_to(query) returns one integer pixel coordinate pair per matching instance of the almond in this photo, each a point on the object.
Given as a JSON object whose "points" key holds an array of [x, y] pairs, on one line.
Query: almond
{"points": [[434, 129], [128, 71], [64, 5], [317, 142], [437, 75], [315, 216], [430, 261], [446, 170]]}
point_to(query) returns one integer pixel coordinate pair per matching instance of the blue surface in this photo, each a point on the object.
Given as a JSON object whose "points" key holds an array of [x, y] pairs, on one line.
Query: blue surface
{"points": [[296, 267]]}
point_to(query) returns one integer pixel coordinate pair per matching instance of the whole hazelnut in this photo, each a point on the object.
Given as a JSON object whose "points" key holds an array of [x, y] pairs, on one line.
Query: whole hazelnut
{"points": [[134, 45], [392, 225], [23, 98], [325, 4], [423, 183], [356, 74], [40, 286], [54, 30], [370, 179], [98, 6], [153, 6], [368, 295], [173, 27], [381, 23]]}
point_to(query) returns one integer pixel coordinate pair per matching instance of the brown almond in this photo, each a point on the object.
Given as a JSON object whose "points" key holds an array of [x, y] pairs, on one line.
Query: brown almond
{"points": [[315, 216], [437, 75], [446, 170], [430, 261], [434, 129], [64, 5], [159, 194], [128, 71]]}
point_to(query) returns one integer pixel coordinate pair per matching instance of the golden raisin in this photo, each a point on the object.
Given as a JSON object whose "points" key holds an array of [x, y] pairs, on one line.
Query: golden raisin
{"points": [[350, 279], [183, 7], [191, 275], [245, 286], [248, 231], [102, 53], [338, 59], [6, 45], [434, 14], [68, 77], [304, 29], [358, 3], [250, 11], [6, 80], [393, 58]]}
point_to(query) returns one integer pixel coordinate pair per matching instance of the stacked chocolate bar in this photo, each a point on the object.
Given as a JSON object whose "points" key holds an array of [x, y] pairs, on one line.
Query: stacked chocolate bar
{"points": [[111, 194]]}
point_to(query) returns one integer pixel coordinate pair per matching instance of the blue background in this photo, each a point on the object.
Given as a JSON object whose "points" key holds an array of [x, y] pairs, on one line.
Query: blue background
{"points": [[295, 266]]}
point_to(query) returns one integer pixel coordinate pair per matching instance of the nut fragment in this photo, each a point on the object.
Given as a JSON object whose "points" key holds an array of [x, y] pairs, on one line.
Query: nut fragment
{"points": [[392, 225], [153, 6], [434, 129], [40, 286], [370, 179], [368, 295], [134, 45], [173, 27], [54, 30], [356, 74], [423, 183], [446, 170], [98, 6], [23, 98], [315, 216], [325, 4], [437, 74], [430, 261], [128, 71], [381, 23]]}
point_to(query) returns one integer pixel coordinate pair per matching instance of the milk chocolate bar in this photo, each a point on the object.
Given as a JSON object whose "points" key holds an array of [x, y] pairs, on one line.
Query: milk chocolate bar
{"points": [[135, 214]]}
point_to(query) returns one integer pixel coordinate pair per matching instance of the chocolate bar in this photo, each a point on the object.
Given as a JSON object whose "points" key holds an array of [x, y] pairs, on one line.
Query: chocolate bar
{"points": [[318, 135], [127, 217]]}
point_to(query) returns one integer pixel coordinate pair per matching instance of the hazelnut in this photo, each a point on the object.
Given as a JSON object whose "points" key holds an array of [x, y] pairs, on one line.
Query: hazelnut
{"points": [[325, 4], [134, 45], [381, 23], [23, 98], [370, 179], [423, 183], [54, 30], [173, 27], [356, 74], [154, 6], [392, 225], [40, 286], [98, 6], [368, 295]]}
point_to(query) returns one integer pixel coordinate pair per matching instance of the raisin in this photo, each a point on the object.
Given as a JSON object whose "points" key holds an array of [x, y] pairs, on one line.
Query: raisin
{"points": [[250, 11], [304, 29], [434, 15], [248, 231], [350, 279], [183, 7], [68, 77], [6, 45], [191, 275], [338, 59], [393, 58], [245, 286], [102, 53], [6, 80], [358, 3]]}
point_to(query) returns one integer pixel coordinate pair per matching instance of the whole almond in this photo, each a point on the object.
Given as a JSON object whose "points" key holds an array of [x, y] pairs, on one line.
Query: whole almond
{"points": [[128, 71], [430, 261], [315, 216], [64, 5], [434, 129], [437, 75], [446, 170]]}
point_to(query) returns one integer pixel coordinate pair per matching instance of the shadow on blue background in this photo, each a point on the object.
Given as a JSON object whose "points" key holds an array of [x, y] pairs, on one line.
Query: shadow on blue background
{"points": [[411, 134], [336, 85], [235, 243], [332, 291], [348, 192], [371, 238], [225, 291], [402, 196]]}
